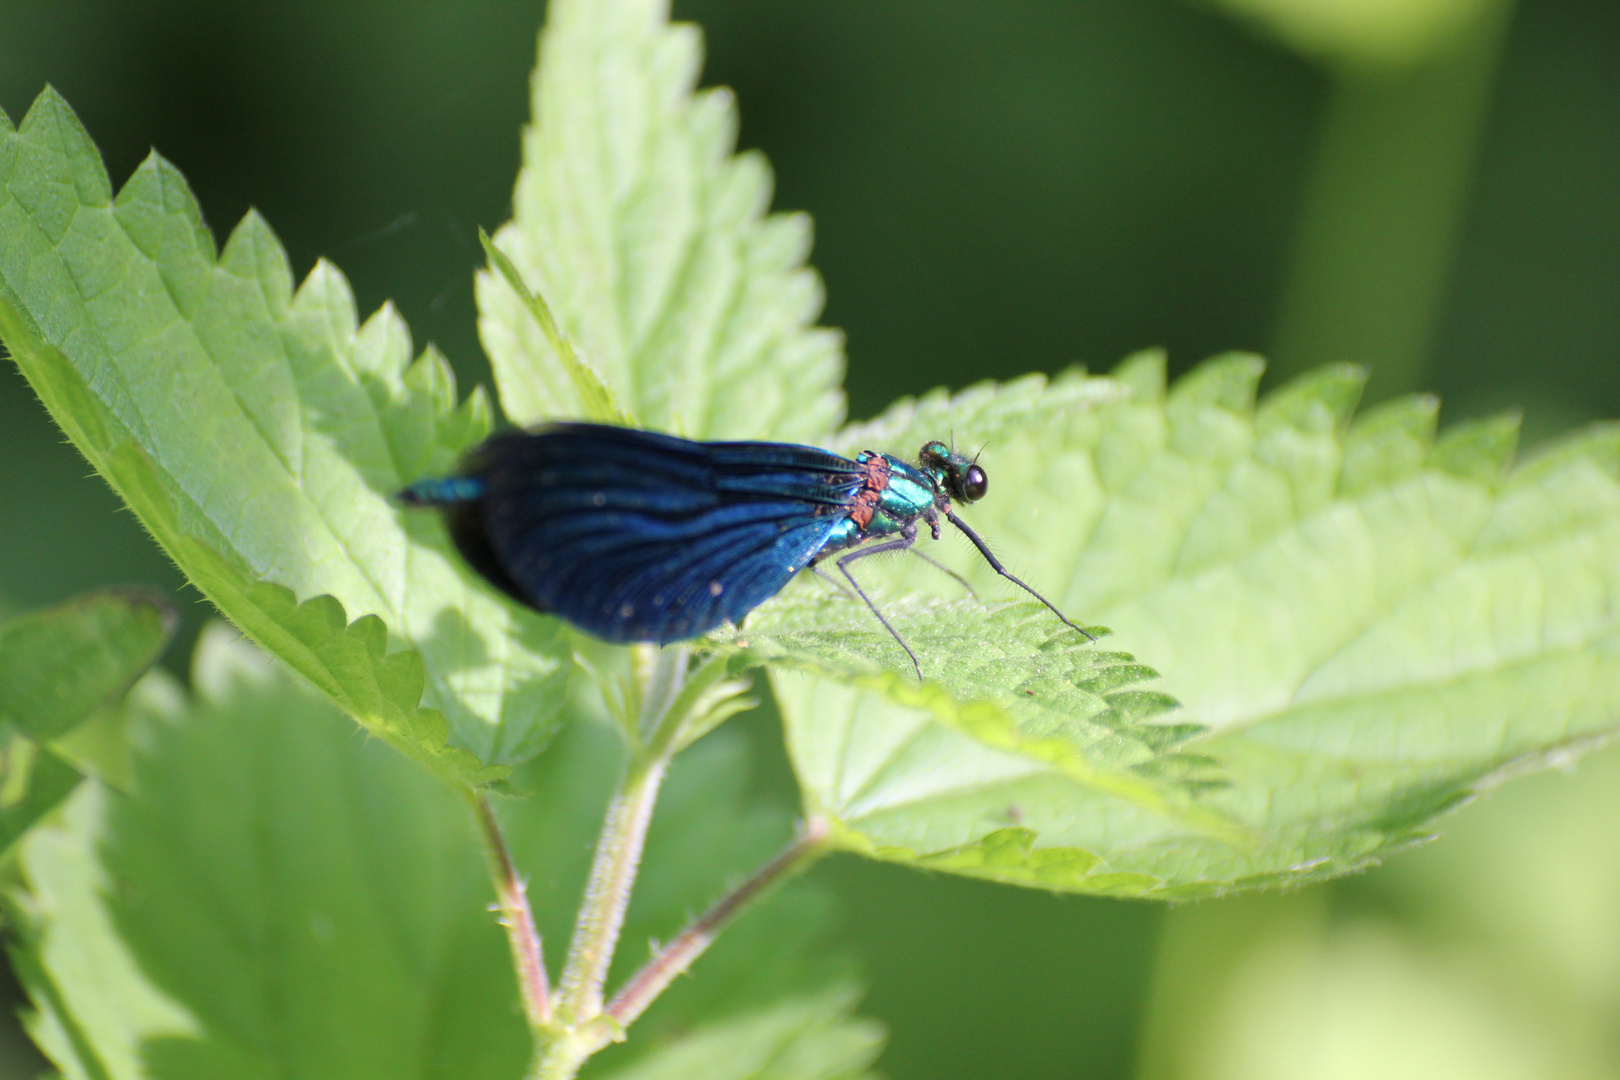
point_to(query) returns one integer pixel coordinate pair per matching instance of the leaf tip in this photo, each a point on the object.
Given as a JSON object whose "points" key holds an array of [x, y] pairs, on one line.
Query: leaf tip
{"points": [[47, 104], [51, 123], [1478, 450], [1228, 381], [1322, 400], [142, 596], [1144, 373], [1597, 443]]}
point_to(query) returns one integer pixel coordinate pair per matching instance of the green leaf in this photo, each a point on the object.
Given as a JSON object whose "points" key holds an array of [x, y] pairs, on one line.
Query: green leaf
{"points": [[707, 700], [33, 781], [274, 891], [60, 664], [59, 667], [806, 1038], [1363, 624], [989, 413], [259, 434], [1010, 677], [597, 400], [277, 896], [650, 242]]}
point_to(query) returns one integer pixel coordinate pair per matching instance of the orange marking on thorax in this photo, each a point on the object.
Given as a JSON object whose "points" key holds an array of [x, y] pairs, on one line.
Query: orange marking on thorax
{"points": [[873, 485]]}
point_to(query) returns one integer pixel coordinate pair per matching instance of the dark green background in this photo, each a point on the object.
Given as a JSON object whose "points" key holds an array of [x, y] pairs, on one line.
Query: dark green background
{"points": [[998, 187]]}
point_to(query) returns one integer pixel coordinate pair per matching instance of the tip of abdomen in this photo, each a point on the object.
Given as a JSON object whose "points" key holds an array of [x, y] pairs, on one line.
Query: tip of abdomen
{"points": [[442, 491]]}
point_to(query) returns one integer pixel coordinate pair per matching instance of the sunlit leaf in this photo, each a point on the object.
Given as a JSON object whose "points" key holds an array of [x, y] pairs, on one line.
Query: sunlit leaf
{"points": [[259, 433], [651, 243], [1361, 623]]}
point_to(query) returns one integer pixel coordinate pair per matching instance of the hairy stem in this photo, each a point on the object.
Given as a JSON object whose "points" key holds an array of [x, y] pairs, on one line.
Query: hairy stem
{"points": [[674, 958], [661, 673], [562, 1057], [607, 893], [512, 896]]}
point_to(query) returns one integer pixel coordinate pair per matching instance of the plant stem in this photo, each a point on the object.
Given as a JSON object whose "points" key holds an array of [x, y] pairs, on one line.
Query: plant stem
{"points": [[607, 893], [581, 1026], [512, 895], [623, 836], [562, 1057], [674, 958]]}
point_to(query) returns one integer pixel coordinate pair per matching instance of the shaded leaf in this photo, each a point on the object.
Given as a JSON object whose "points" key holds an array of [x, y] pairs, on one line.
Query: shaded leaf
{"points": [[276, 895], [60, 664], [805, 1038], [59, 667], [33, 781], [274, 891], [1010, 677]]}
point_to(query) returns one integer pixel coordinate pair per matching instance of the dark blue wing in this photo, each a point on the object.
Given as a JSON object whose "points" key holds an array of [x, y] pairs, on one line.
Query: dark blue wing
{"points": [[636, 536]]}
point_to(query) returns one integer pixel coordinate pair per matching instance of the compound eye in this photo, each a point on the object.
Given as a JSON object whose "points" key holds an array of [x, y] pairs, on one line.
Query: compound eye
{"points": [[974, 484]]}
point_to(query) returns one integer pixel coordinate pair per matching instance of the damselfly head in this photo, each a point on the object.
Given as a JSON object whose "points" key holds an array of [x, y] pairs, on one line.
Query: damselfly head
{"points": [[961, 477]]}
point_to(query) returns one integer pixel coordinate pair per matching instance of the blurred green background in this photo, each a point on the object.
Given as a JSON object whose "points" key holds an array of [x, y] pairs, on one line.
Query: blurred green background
{"points": [[1431, 187]]}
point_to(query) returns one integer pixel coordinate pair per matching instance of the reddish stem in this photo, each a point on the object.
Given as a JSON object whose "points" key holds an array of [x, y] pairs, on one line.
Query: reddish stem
{"points": [[673, 959], [512, 896]]}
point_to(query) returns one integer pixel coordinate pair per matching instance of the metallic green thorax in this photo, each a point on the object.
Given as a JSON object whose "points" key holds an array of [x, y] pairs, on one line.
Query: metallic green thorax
{"points": [[893, 497], [896, 494]]}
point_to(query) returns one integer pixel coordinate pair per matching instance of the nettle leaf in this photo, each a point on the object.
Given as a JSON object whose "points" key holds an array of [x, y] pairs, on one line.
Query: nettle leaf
{"points": [[60, 664], [34, 779], [275, 895], [1363, 624], [806, 1038], [983, 417], [59, 667], [1010, 677], [651, 244], [259, 433]]}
